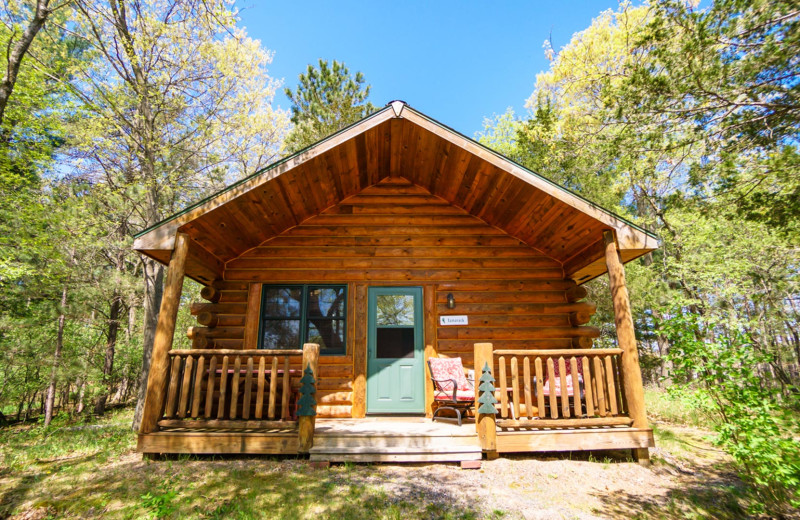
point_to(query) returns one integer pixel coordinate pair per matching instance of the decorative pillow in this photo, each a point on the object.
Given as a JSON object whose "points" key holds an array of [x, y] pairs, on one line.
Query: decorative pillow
{"points": [[443, 371], [557, 380]]}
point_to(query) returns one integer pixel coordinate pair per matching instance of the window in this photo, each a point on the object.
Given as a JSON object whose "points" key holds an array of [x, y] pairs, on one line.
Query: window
{"points": [[295, 314]]}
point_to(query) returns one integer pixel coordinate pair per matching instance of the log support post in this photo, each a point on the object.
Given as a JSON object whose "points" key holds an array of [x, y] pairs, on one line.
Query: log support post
{"points": [[626, 338], [485, 423], [165, 332], [306, 419], [430, 352]]}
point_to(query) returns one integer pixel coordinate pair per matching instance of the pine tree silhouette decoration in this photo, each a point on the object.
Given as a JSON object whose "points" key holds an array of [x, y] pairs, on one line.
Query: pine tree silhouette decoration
{"points": [[307, 402], [487, 399]]}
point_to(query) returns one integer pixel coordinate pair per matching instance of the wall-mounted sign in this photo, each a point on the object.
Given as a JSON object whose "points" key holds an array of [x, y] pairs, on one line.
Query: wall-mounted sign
{"points": [[453, 320]]}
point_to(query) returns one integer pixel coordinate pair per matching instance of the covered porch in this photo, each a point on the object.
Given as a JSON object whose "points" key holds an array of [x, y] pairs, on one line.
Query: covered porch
{"points": [[256, 408]]}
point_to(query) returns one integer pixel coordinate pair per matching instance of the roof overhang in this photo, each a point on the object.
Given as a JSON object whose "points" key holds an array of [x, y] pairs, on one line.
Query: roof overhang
{"points": [[396, 141]]}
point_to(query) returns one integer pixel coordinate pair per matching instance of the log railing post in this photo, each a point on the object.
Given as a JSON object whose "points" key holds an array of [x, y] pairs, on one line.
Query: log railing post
{"points": [[430, 352], [165, 332], [306, 415], [484, 423], [626, 338]]}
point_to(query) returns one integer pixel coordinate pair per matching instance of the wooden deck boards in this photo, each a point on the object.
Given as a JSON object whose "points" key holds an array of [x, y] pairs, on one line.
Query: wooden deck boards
{"points": [[271, 443], [392, 426], [390, 439], [574, 440]]}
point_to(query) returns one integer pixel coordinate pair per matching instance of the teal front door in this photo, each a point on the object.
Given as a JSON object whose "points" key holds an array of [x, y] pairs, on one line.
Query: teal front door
{"points": [[395, 370]]}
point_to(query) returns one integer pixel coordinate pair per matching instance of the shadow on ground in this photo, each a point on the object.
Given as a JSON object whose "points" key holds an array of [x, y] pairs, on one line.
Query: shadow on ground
{"points": [[215, 487], [705, 491]]}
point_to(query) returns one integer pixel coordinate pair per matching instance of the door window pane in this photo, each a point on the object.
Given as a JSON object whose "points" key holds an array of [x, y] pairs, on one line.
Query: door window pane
{"points": [[394, 343], [394, 309]]}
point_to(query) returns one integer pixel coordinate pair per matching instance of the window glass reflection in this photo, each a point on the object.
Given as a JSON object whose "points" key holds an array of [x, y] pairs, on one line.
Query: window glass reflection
{"points": [[395, 309]]}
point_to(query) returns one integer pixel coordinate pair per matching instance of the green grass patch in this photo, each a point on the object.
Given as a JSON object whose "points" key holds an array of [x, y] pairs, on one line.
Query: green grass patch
{"points": [[77, 470], [684, 408]]}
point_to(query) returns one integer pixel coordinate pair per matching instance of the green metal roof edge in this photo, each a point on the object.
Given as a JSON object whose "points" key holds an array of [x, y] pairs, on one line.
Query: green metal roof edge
{"points": [[531, 172], [256, 174], [375, 114]]}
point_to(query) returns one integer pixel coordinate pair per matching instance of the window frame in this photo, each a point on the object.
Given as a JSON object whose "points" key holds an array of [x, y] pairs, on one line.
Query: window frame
{"points": [[305, 289]]}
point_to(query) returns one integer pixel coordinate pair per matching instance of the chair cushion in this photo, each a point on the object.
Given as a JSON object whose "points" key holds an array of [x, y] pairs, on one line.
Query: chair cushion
{"points": [[443, 371], [449, 368], [557, 380], [462, 395]]}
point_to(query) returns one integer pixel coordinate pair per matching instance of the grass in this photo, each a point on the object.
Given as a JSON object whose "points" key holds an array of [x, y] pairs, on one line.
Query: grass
{"points": [[80, 470], [681, 409], [91, 470]]}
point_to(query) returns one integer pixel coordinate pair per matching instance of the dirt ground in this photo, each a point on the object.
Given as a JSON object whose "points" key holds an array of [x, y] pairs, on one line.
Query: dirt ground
{"points": [[536, 489], [601, 486]]}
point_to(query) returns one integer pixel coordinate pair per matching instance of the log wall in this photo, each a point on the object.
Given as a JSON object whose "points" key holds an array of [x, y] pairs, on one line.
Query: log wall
{"points": [[397, 233]]}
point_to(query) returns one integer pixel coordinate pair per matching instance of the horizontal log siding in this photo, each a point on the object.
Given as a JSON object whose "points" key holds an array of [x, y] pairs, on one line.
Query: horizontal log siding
{"points": [[396, 233]]}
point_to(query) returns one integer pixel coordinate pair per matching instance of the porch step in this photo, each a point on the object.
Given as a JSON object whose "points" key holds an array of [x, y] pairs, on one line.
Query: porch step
{"points": [[377, 447], [395, 457], [395, 450], [394, 440], [408, 442]]}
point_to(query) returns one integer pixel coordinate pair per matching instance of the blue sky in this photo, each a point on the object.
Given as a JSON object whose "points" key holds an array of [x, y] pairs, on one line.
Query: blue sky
{"points": [[457, 62]]}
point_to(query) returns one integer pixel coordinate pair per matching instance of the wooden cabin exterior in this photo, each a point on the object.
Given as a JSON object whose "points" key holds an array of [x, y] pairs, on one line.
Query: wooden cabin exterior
{"points": [[392, 241]]}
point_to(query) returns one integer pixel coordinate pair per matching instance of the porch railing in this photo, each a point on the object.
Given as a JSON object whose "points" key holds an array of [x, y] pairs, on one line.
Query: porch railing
{"points": [[534, 388], [216, 388]]}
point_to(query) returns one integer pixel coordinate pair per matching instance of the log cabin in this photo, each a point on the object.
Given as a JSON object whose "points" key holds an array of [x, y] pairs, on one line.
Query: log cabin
{"points": [[333, 275]]}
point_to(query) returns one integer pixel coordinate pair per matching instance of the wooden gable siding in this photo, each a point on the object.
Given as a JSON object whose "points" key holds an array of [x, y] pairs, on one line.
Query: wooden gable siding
{"points": [[459, 171], [441, 168], [398, 233]]}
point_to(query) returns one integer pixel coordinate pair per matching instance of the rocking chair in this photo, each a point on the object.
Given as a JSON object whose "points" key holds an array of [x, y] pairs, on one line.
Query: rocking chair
{"points": [[451, 388]]}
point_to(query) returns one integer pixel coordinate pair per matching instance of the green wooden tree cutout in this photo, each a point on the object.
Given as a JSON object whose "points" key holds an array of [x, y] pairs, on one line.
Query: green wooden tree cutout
{"points": [[487, 399], [307, 402]]}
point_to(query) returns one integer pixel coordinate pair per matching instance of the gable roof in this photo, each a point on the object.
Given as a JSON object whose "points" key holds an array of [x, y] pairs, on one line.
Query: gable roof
{"points": [[393, 142]]}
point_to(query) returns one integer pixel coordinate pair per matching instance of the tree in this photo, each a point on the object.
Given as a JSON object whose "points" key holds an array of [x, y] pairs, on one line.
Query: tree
{"points": [[728, 74], [146, 107], [18, 47], [686, 122], [34, 276], [327, 99], [176, 106]]}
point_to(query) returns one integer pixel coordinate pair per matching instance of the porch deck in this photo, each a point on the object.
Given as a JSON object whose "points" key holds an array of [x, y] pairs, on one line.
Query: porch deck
{"points": [[388, 439], [251, 410]]}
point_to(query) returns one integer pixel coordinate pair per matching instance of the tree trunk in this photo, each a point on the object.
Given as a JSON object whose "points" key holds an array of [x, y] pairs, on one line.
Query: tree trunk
{"points": [[30, 406], [51, 389], [63, 403], [146, 158], [795, 340], [111, 345], [79, 402], [16, 52], [154, 290], [131, 322]]}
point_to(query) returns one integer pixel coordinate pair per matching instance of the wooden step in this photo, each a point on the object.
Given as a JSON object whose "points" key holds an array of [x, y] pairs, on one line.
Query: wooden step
{"points": [[411, 443], [394, 440], [394, 449], [396, 457]]}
